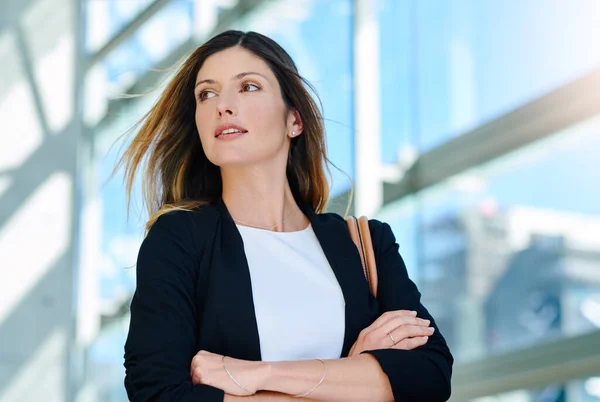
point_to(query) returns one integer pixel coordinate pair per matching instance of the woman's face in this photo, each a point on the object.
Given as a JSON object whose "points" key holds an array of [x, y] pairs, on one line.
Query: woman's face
{"points": [[236, 90]]}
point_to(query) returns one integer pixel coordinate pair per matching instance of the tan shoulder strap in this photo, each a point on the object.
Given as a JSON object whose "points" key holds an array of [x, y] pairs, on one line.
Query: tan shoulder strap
{"points": [[361, 236]]}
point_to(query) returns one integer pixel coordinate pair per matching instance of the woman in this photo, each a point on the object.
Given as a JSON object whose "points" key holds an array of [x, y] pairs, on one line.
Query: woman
{"points": [[245, 289]]}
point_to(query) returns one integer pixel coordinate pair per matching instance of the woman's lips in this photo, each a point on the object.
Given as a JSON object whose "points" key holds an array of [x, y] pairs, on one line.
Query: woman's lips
{"points": [[229, 137]]}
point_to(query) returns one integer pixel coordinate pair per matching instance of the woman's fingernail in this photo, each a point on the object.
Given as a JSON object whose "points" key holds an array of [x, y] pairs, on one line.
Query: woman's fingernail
{"points": [[413, 312], [431, 330]]}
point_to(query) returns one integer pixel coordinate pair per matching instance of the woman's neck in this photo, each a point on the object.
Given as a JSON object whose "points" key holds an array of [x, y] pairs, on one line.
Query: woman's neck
{"points": [[257, 199]]}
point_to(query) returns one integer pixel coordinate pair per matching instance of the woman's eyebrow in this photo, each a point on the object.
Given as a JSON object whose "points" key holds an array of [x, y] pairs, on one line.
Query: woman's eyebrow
{"points": [[235, 77]]}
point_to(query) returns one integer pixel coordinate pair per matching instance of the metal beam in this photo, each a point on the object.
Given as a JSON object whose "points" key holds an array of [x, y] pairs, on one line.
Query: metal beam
{"points": [[533, 367], [126, 33], [539, 119], [13, 12], [573, 103], [367, 119]]}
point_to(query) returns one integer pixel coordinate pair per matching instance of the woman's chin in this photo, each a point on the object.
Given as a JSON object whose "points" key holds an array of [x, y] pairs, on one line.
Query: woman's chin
{"points": [[233, 161], [245, 158]]}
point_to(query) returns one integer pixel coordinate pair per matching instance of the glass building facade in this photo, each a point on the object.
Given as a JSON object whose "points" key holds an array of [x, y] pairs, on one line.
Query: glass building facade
{"points": [[472, 127]]}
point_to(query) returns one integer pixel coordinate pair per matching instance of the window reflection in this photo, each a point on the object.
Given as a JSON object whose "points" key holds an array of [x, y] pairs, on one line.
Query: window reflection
{"points": [[505, 258]]}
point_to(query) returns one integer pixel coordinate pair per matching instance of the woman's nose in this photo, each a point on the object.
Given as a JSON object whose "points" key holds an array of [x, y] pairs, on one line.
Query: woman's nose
{"points": [[223, 111], [226, 105]]}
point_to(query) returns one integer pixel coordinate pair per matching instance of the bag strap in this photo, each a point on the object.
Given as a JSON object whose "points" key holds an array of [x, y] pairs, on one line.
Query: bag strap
{"points": [[361, 236]]}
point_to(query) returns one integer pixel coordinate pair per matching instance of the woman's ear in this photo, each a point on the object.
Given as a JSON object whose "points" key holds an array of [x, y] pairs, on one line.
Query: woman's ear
{"points": [[296, 126]]}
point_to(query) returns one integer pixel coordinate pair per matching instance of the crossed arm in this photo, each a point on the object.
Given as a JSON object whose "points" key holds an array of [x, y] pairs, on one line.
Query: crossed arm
{"points": [[358, 377]]}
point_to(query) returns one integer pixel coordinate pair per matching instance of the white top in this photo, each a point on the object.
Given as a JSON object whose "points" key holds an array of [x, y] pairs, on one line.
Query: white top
{"points": [[299, 305]]}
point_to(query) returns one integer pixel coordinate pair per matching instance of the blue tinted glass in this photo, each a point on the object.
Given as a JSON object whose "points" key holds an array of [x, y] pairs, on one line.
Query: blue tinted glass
{"points": [[449, 66]]}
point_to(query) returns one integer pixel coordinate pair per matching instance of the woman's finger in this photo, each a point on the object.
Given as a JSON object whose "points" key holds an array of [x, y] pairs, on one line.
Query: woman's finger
{"points": [[411, 331], [400, 319], [387, 337], [411, 343], [386, 317], [397, 322], [383, 318]]}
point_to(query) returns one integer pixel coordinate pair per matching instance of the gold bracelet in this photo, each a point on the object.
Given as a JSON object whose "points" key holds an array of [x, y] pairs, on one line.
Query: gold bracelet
{"points": [[320, 382], [233, 379]]}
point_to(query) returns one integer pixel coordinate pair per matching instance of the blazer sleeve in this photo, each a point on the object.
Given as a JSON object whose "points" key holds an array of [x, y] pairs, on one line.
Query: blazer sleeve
{"points": [[161, 340], [422, 374]]}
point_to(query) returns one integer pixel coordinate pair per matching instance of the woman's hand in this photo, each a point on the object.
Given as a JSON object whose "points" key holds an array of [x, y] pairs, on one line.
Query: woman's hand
{"points": [[207, 368], [407, 330]]}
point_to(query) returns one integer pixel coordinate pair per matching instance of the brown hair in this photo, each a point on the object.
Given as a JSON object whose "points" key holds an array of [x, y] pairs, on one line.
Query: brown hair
{"points": [[178, 174]]}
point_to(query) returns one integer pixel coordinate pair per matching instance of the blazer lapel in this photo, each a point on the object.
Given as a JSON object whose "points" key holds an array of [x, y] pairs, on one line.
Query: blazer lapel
{"points": [[332, 232], [242, 339]]}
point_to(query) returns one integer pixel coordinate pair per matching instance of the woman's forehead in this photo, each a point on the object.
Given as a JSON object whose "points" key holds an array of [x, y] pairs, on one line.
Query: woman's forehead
{"points": [[229, 63]]}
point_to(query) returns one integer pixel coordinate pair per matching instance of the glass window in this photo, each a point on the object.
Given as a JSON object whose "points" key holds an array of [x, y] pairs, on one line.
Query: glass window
{"points": [[104, 373], [580, 390], [162, 33], [508, 252], [140, 54], [449, 66], [117, 244], [104, 19]]}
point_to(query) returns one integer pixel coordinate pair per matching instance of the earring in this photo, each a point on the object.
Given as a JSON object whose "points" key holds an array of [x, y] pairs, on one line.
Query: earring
{"points": [[293, 133]]}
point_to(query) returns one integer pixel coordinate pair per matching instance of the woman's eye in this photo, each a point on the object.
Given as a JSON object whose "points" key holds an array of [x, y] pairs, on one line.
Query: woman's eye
{"points": [[246, 87], [203, 95]]}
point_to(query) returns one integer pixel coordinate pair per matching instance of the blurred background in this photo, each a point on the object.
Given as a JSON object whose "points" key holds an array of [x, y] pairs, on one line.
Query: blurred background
{"points": [[471, 126]]}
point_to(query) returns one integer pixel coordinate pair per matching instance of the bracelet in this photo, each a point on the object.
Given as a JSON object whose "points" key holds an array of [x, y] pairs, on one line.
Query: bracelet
{"points": [[230, 376], [320, 382]]}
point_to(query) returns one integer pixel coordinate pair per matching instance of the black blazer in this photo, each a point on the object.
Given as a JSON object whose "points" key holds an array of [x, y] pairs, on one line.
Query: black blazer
{"points": [[193, 293]]}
